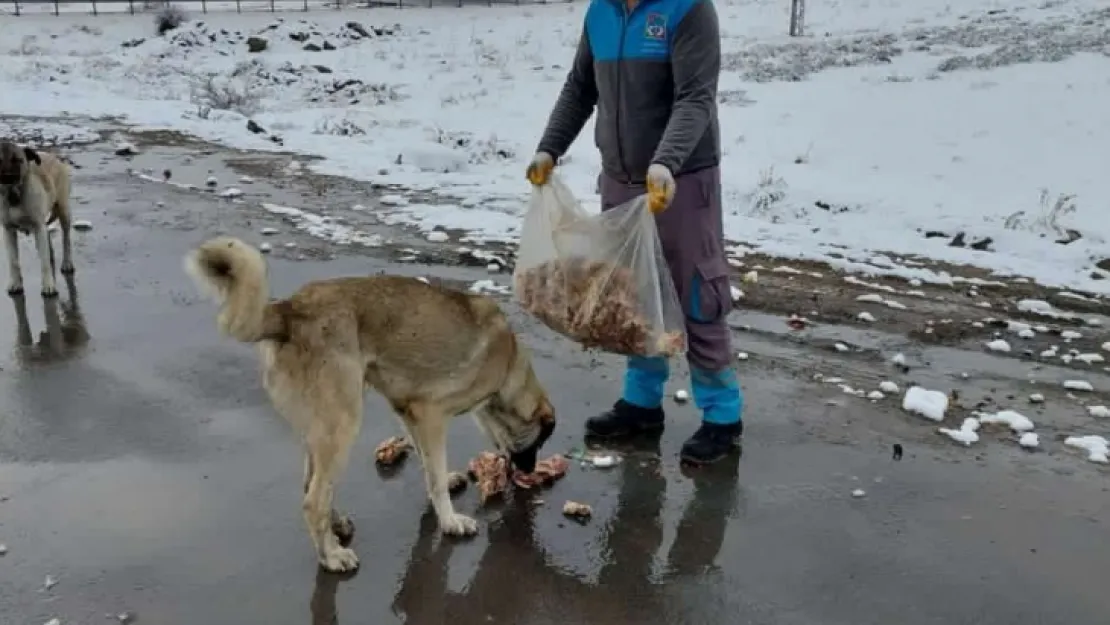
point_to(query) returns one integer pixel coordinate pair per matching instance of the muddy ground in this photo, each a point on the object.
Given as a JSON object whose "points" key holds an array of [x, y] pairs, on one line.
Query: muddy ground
{"points": [[142, 471]]}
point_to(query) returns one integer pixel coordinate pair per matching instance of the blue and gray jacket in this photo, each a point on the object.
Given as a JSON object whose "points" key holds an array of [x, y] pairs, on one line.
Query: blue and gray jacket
{"points": [[652, 72]]}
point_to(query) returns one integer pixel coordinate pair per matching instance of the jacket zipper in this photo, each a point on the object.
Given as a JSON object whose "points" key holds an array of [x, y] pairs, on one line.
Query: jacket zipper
{"points": [[620, 104]]}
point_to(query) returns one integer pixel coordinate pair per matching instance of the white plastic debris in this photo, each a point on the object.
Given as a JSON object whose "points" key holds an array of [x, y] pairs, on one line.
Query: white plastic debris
{"points": [[1017, 421], [967, 434], [866, 316], [265, 248], [1100, 412], [888, 387], [1078, 385], [859, 493], [1097, 447], [742, 356], [681, 396], [436, 236], [82, 225], [875, 395], [1036, 398], [1029, 440], [998, 345], [603, 462], [929, 404]]}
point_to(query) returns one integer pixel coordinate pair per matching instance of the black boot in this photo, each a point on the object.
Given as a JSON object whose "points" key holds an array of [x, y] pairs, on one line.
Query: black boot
{"points": [[712, 442], [624, 420]]}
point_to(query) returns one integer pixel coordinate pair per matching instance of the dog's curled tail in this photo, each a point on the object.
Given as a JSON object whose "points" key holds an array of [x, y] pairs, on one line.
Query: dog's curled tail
{"points": [[234, 273]]}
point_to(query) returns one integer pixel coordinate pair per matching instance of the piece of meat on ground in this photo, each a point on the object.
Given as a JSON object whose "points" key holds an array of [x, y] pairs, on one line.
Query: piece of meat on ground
{"points": [[392, 450]]}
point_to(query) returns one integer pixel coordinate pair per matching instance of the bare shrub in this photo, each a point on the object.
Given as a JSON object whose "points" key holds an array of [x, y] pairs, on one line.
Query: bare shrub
{"points": [[169, 17], [213, 93]]}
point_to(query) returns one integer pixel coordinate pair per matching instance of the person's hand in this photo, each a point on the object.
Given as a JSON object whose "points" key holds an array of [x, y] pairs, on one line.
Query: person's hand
{"points": [[660, 188], [539, 170]]}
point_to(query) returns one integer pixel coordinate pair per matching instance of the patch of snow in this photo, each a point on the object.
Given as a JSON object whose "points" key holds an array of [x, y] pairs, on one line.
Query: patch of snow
{"points": [[1015, 420], [742, 356], [1099, 412], [875, 395], [324, 227], [998, 345], [870, 297], [436, 236], [898, 359], [1036, 398], [888, 387], [1029, 440], [841, 347], [929, 404], [735, 293], [231, 192], [1070, 335], [681, 396], [1097, 447], [1078, 385], [866, 316], [967, 434], [1090, 358]]}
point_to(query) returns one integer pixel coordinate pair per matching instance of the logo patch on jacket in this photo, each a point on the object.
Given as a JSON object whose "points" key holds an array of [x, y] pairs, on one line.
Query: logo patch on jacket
{"points": [[655, 27]]}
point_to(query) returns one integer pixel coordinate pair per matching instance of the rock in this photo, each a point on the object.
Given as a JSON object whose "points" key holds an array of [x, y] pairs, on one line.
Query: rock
{"points": [[254, 127], [257, 44], [359, 29], [299, 37], [166, 174], [328, 45], [126, 149], [311, 47], [323, 69], [681, 396]]}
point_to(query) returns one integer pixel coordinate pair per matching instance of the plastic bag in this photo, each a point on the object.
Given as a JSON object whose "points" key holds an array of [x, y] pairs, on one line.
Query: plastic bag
{"points": [[600, 280]]}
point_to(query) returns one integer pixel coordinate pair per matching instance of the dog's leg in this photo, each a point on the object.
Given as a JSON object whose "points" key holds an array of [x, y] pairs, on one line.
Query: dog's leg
{"points": [[42, 246], [341, 524], [429, 432], [15, 273], [67, 243]]}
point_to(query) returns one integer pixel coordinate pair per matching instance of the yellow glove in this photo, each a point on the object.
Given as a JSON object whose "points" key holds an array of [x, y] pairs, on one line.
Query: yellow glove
{"points": [[539, 170], [660, 188]]}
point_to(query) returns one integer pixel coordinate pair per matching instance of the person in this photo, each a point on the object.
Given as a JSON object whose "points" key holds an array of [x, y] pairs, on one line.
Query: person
{"points": [[651, 68]]}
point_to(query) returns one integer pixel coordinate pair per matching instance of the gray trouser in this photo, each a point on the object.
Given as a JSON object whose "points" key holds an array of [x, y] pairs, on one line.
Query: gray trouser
{"points": [[691, 231]]}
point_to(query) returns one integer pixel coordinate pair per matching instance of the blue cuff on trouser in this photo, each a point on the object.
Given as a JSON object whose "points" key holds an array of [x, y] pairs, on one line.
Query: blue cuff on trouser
{"points": [[718, 395], [644, 379]]}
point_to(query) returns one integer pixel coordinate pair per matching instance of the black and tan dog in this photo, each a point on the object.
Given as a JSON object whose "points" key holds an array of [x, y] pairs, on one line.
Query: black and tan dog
{"points": [[34, 192], [433, 352]]}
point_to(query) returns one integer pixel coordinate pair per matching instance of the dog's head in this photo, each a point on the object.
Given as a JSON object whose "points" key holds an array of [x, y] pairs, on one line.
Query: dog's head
{"points": [[15, 166], [520, 418]]}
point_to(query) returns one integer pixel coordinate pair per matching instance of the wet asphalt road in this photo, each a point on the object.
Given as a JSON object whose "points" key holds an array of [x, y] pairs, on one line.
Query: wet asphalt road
{"points": [[145, 472]]}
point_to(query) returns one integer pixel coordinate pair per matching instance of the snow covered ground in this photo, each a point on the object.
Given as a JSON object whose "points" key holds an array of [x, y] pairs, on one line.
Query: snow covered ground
{"points": [[892, 120]]}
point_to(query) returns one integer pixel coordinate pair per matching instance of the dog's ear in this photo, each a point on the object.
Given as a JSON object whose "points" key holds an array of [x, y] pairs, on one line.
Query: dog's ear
{"points": [[32, 156]]}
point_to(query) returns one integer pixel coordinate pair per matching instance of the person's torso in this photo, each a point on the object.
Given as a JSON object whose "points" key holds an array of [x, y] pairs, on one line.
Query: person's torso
{"points": [[632, 69]]}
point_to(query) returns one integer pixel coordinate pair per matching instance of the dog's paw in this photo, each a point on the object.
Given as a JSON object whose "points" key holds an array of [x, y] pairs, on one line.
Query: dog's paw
{"points": [[458, 525], [67, 267], [49, 290], [343, 528], [15, 288], [340, 560]]}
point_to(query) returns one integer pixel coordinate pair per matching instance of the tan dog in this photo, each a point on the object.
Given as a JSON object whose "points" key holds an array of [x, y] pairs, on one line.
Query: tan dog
{"points": [[434, 353], [34, 191]]}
